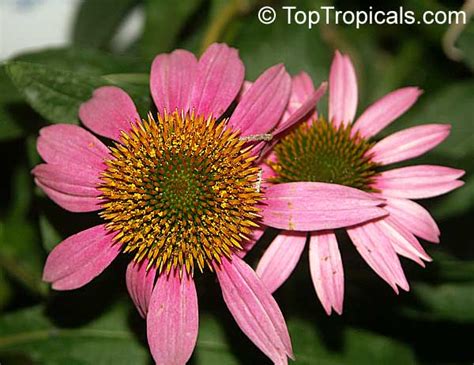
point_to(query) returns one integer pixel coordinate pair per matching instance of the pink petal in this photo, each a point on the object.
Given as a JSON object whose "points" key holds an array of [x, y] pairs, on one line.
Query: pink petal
{"points": [[218, 81], [414, 218], [72, 203], [75, 160], [420, 181], [171, 80], [403, 241], [302, 88], [385, 110], [80, 258], [289, 120], [267, 172], [326, 270], [108, 112], [409, 143], [373, 244], [74, 190], [140, 283], [245, 87], [263, 104], [257, 233], [81, 182], [342, 90], [254, 309], [307, 206], [303, 110], [84, 180], [280, 259], [71, 146], [173, 319]]}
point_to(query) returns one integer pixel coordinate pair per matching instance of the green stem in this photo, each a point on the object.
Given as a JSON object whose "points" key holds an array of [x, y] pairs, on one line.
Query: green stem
{"points": [[23, 276], [39, 335], [220, 21]]}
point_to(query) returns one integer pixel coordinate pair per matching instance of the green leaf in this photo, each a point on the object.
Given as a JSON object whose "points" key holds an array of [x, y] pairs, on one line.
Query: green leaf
{"points": [[129, 78], [466, 44], [360, 346], [5, 290], [57, 94], [161, 28], [295, 46], [212, 348], [20, 249], [49, 235], [98, 21], [106, 340], [84, 61], [452, 105], [453, 302], [458, 202], [450, 269], [14, 118]]}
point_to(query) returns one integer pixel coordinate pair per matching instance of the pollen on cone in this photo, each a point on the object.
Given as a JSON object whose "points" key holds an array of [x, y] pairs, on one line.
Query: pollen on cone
{"points": [[180, 191]]}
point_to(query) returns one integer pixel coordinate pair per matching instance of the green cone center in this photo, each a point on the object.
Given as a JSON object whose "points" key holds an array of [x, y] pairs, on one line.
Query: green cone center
{"points": [[180, 186], [321, 152]]}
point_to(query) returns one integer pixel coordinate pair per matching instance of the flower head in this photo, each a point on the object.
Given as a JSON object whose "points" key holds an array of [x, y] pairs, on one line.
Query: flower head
{"points": [[341, 153], [176, 192], [181, 191]]}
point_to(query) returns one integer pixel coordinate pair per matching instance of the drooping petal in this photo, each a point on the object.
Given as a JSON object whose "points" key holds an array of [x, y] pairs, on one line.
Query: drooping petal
{"points": [[409, 143], [280, 259], [245, 87], [305, 108], [418, 182], [308, 206], [414, 218], [74, 190], [267, 171], [302, 87], [263, 104], [171, 80], [82, 182], [305, 112], [218, 80], [403, 241], [72, 203], [254, 309], [172, 319], [374, 246], [71, 147], [140, 283], [80, 258], [257, 233], [343, 92], [326, 269], [108, 112], [75, 161], [385, 110]]}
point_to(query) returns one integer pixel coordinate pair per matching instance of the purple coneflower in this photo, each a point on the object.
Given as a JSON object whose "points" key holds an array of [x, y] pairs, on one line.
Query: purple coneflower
{"points": [[342, 153]]}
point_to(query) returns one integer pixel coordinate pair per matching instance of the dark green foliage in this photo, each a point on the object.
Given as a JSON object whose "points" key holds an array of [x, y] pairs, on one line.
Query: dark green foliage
{"points": [[433, 323]]}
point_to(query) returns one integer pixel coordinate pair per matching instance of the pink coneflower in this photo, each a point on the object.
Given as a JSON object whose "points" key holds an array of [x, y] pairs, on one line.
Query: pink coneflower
{"points": [[340, 152], [178, 192]]}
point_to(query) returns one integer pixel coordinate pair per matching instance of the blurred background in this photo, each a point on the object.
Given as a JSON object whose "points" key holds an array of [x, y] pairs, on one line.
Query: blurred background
{"points": [[54, 53]]}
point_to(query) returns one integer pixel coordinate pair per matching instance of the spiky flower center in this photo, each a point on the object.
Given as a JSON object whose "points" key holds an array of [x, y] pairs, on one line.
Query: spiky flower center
{"points": [[321, 152], [180, 191]]}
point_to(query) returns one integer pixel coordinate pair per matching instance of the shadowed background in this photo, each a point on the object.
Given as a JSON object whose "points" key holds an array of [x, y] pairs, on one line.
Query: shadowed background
{"points": [[113, 42]]}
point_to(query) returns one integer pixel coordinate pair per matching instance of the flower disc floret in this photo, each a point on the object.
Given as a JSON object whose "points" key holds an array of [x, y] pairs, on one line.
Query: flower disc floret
{"points": [[180, 191]]}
